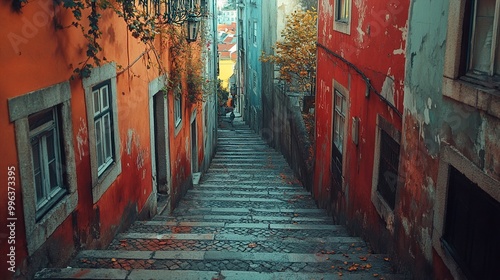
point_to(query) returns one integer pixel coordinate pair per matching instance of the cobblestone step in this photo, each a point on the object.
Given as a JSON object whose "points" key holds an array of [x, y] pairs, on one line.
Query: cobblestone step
{"points": [[272, 177], [249, 164], [255, 170], [242, 243], [248, 218], [242, 261], [253, 191], [230, 186], [273, 211], [85, 273]]}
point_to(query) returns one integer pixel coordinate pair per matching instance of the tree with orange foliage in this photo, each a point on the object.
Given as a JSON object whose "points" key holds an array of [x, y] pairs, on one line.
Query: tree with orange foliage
{"points": [[296, 54]]}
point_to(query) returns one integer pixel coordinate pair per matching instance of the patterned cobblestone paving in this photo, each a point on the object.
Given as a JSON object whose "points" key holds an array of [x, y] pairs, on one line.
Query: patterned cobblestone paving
{"points": [[249, 218]]}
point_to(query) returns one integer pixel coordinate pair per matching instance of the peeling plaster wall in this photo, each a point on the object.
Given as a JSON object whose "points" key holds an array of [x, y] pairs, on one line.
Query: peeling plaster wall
{"points": [[430, 120], [375, 44]]}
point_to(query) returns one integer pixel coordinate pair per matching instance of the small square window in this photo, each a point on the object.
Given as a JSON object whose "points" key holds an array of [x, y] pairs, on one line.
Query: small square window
{"points": [[342, 16], [343, 10]]}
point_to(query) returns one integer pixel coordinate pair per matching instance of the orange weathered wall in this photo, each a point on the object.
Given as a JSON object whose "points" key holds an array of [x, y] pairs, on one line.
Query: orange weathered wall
{"points": [[42, 56]]}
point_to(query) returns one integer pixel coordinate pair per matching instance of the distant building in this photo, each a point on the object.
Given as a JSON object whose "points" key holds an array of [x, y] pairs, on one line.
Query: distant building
{"points": [[259, 27]]}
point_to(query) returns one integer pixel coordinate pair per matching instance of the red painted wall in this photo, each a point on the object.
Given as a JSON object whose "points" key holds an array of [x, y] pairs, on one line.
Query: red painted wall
{"points": [[374, 47], [37, 56]]}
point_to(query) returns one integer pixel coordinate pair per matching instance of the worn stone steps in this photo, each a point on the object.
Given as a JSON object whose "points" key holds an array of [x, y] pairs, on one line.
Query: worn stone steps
{"points": [[248, 218]]}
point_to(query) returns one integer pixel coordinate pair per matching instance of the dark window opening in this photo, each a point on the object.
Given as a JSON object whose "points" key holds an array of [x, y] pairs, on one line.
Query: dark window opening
{"points": [[472, 228], [388, 168]]}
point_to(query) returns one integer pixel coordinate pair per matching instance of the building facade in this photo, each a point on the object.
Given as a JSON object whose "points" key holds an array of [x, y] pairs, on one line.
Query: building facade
{"points": [[450, 153], [359, 113], [407, 130], [87, 155], [260, 24]]}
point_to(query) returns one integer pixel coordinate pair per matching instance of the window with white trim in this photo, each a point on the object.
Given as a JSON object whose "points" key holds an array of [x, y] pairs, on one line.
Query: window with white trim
{"points": [[339, 119], [472, 58], [102, 119], [103, 122], [47, 169], [342, 16], [343, 11], [47, 161], [483, 50]]}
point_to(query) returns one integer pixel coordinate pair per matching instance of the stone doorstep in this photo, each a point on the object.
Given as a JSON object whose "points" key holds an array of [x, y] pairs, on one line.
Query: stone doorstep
{"points": [[196, 178]]}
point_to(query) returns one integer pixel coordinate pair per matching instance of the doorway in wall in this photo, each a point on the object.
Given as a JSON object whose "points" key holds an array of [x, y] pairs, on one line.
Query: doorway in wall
{"points": [[194, 148], [160, 150]]}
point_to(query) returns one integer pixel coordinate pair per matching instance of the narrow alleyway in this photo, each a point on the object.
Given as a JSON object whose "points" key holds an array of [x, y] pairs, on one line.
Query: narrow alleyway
{"points": [[248, 218]]}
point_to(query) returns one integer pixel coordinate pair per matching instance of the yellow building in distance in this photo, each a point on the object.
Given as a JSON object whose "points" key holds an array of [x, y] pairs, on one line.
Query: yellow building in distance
{"points": [[226, 68]]}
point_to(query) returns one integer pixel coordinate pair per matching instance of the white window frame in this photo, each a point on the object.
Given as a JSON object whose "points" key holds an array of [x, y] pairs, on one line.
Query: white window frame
{"points": [[341, 112], [450, 156], [103, 122], [39, 136], [345, 92], [20, 108], [102, 179], [342, 24], [454, 87], [494, 39], [383, 208]]}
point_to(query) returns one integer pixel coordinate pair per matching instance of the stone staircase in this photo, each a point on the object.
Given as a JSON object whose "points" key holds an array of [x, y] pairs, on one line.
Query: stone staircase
{"points": [[248, 218]]}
